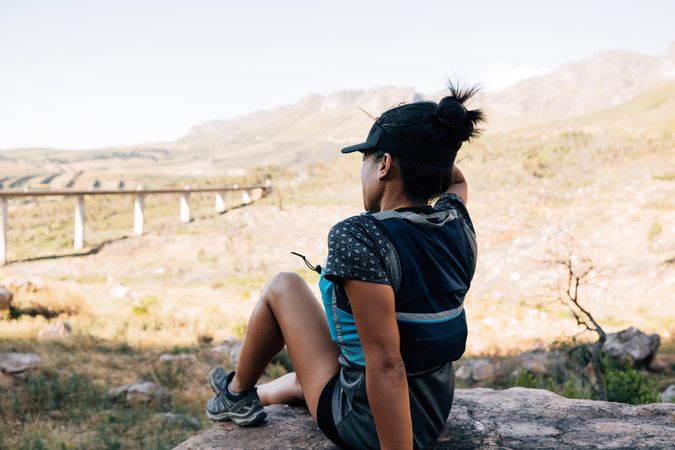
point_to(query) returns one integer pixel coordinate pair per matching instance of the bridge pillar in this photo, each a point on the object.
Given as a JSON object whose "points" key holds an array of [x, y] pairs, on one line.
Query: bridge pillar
{"points": [[78, 238], [246, 197], [220, 202], [185, 207], [139, 213]]}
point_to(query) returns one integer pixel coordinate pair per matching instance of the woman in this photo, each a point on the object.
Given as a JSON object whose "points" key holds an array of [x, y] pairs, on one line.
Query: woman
{"points": [[392, 288]]}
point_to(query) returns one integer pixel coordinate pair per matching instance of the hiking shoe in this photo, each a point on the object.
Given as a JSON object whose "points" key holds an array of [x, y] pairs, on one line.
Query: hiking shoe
{"points": [[218, 379], [243, 409]]}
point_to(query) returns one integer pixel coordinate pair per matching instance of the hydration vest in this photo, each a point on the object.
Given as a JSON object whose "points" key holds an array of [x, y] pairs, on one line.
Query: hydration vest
{"points": [[434, 262]]}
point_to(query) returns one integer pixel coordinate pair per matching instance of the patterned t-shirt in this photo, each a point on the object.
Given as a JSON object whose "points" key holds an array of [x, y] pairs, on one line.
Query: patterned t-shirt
{"points": [[358, 249]]}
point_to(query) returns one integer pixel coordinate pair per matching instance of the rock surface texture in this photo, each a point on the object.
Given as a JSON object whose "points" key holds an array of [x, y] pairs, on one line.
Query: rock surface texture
{"points": [[517, 418]]}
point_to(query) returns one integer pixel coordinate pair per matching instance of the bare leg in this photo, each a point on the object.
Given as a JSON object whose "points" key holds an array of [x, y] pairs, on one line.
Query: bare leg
{"points": [[288, 313], [283, 390]]}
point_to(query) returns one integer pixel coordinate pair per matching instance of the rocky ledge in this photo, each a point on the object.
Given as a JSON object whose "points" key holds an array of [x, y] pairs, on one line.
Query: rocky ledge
{"points": [[481, 418]]}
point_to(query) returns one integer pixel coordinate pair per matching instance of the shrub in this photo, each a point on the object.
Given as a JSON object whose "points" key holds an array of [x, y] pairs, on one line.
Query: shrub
{"points": [[626, 384]]}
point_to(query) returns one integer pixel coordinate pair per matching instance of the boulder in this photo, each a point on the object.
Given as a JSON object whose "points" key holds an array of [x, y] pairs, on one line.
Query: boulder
{"points": [[56, 330], [5, 302], [17, 367], [120, 292], [480, 418], [13, 363], [632, 344], [668, 396], [142, 392], [540, 362], [180, 419], [170, 357], [481, 369]]}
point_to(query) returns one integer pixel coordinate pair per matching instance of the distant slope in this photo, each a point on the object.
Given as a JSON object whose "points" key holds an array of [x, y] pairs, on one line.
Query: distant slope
{"points": [[315, 127], [305, 131], [599, 82]]}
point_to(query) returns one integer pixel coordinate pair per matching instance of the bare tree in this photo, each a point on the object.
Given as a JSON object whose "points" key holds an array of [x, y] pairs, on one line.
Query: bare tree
{"points": [[577, 270]]}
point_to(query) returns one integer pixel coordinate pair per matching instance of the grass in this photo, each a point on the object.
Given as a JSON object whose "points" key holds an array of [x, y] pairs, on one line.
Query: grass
{"points": [[65, 403]]}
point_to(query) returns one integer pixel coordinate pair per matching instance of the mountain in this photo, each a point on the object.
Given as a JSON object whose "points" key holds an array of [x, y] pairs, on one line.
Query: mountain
{"points": [[604, 80], [308, 130], [315, 127]]}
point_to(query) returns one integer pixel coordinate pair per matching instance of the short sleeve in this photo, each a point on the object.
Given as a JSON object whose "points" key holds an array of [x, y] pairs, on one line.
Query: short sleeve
{"points": [[449, 200], [356, 250]]}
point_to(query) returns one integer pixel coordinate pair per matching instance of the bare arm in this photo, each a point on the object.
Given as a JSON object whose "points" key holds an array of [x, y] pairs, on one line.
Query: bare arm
{"points": [[386, 381], [459, 185]]}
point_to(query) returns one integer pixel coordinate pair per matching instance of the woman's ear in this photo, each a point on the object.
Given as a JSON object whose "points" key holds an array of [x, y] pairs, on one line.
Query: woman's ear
{"points": [[385, 166]]}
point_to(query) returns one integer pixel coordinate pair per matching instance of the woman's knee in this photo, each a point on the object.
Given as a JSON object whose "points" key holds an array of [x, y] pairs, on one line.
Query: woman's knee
{"points": [[281, 285]]}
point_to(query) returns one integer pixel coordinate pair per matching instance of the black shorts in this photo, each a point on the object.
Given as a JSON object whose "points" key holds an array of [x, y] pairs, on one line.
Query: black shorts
{"points": [[324, 413]]}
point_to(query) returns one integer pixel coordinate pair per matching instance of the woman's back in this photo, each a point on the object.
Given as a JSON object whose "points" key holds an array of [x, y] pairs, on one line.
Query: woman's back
{"points": [[427, 254]]}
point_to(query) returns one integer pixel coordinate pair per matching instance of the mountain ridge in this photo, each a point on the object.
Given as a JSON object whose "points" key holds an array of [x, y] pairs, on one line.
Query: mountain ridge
{"points": [[310, 129]]}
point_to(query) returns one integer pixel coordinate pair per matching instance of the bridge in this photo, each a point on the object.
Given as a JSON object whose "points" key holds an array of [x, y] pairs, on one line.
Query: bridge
{"points": [[139, 196]]}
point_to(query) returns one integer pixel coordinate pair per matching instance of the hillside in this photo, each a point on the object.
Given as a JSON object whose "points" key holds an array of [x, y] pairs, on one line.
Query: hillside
{"points": [[596, 83], [600, 178], [314, 127]]}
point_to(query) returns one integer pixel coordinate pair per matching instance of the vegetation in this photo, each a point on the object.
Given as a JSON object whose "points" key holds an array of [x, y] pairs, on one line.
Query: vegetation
{"points": [[65, 404]]}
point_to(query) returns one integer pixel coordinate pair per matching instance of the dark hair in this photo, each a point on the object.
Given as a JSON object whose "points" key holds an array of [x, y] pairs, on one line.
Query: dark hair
{"points": [[446, 122]]}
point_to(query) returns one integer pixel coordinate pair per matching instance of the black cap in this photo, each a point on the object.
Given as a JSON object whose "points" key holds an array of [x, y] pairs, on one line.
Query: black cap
{"points": [[428, 153]]}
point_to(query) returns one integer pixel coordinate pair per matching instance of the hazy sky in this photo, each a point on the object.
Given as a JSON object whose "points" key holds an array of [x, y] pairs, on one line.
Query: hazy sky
{"points": [[82, 74]]}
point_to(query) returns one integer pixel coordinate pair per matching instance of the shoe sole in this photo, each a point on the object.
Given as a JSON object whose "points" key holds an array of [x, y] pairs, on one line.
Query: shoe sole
{"points": [[238, 419]]}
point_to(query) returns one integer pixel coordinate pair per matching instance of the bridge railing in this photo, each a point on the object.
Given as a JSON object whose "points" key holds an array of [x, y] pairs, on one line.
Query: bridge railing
{"points": [[139, 196]]}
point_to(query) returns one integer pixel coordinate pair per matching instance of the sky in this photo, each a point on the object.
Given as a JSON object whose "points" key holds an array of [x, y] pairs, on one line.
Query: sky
{"points": [[87, 74]]}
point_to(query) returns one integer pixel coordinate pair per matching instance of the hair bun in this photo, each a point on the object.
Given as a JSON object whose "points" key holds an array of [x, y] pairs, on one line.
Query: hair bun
{"points": [[450, 111], [453, 116]]}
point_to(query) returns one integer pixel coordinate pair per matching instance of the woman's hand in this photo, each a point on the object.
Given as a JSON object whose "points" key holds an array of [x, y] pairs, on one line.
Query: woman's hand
{"points": [[386, 382], [459, 185]]}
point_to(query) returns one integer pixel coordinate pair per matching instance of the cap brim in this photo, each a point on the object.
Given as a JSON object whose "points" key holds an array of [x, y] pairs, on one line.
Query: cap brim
{"points": [[357, 148]]}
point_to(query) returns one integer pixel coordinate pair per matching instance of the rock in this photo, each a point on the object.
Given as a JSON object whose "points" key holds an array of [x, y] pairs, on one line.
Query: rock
{"points": [[56, 330], [119, 292], [480, 369], [15, 368], [516, 418], [141, 392], [632, 344], [18, 362], [536, 362], [463, 373], [181, 419], [170, 357], [117, 393], [668, 396], [5, 302]]}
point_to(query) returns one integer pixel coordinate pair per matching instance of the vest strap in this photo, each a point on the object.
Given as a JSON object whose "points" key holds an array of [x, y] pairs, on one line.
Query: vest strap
{"points": [[430, 317], [420, 219]]}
